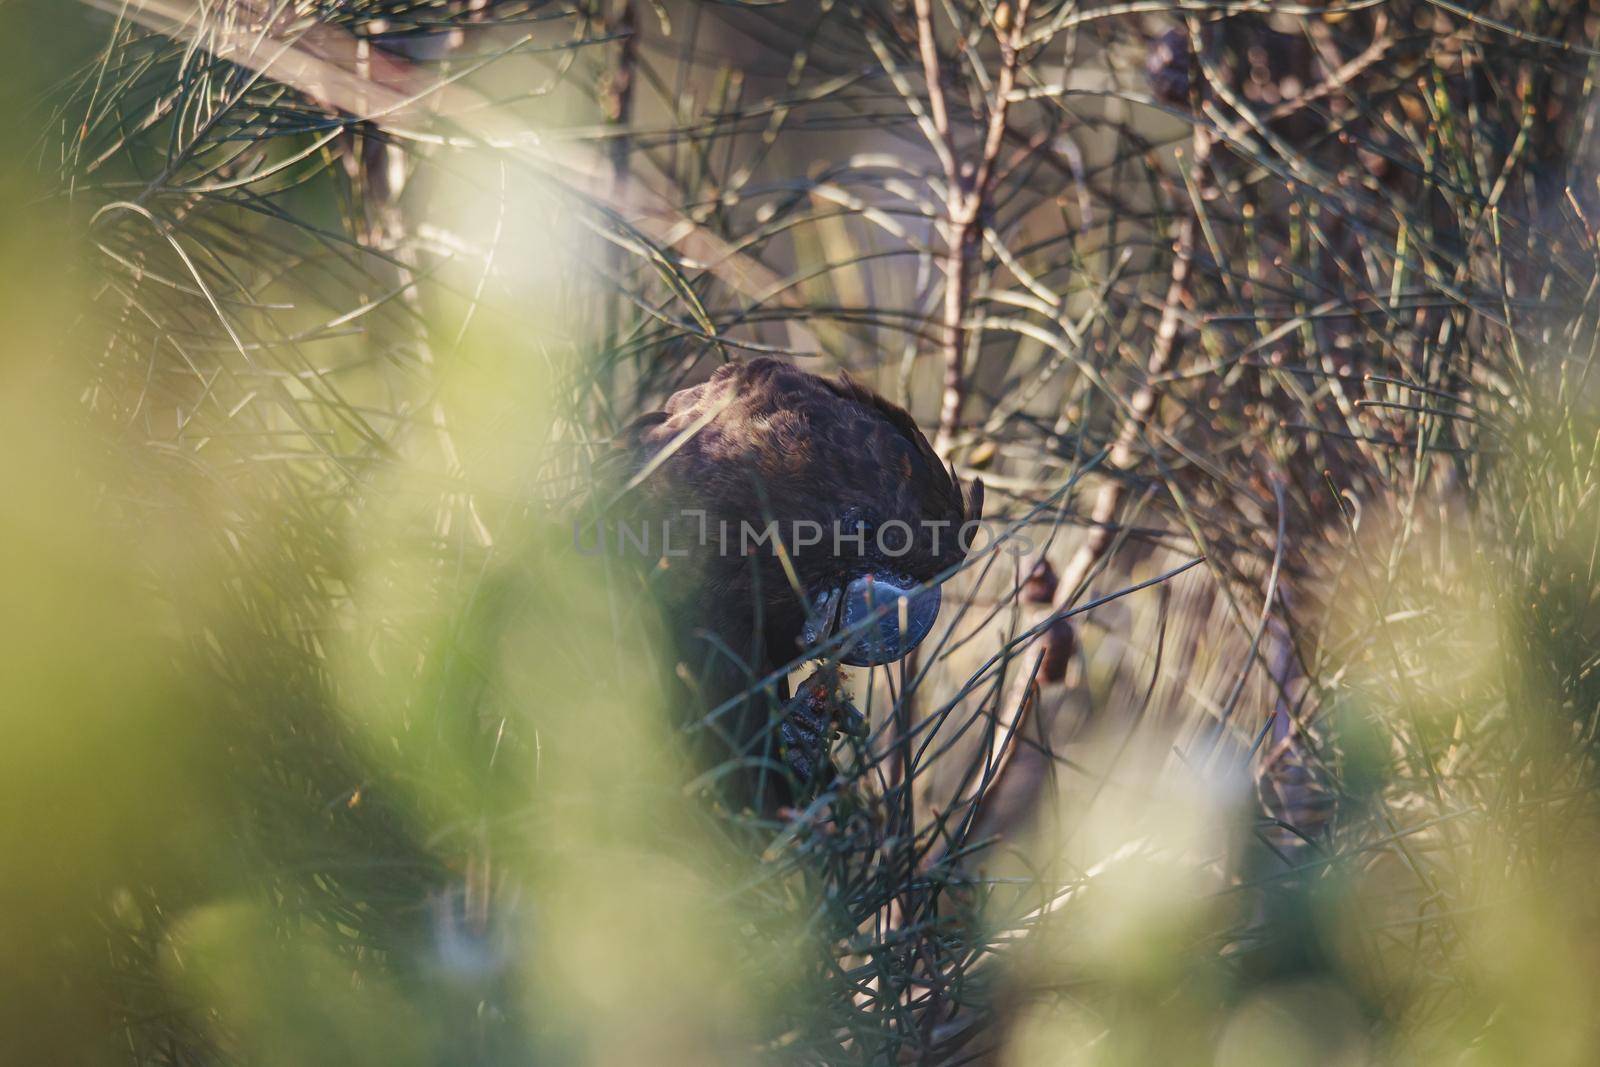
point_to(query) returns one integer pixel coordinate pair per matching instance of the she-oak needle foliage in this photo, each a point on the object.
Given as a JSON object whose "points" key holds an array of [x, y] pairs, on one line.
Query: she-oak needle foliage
{"points": [[1263, 730]]}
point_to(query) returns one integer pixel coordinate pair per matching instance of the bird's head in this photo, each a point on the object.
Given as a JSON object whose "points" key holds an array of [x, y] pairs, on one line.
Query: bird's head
{"points": [[810, 508]]}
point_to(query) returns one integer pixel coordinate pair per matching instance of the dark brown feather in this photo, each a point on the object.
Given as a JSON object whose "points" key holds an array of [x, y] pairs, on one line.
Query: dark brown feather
{"points": [[780, 444]]}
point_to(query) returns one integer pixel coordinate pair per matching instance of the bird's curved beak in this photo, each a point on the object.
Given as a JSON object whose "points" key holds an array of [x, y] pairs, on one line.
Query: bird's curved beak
{"points": [[904, 610]]}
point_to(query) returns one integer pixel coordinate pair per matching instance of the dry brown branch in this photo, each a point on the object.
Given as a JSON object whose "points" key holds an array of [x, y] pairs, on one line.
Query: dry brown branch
{"points": [[968, 185], [1009, 795], [999, 805], [616, 85]]}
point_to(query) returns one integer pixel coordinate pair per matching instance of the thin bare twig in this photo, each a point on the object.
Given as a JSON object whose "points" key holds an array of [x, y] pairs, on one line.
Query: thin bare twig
{"points": [[968, 186]]}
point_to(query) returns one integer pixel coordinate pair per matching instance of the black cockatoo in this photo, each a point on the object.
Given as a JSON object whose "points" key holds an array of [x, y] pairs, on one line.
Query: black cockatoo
{"points": [[787, 511]]}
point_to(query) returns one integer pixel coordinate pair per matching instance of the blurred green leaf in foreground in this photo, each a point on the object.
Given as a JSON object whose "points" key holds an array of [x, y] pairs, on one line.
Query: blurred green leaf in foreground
{"points": [[321, 745]]}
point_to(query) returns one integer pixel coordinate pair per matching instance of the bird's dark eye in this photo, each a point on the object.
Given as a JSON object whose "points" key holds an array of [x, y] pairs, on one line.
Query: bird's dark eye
{"points": [[855, 536], [854, 519]]}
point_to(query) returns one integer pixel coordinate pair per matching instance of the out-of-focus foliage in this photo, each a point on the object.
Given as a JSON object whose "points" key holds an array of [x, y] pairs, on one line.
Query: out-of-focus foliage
{"points": [[323, 745]]}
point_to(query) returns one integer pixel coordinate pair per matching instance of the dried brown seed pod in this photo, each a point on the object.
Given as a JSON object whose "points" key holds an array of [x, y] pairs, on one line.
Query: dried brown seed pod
{"points": [[1040, 585]]}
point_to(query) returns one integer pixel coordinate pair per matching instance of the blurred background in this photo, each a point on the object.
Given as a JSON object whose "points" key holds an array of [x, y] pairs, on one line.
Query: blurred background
{"points": [[1264, 731]]}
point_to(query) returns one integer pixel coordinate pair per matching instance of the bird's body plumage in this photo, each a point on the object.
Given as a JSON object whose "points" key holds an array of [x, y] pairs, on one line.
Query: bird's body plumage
{"points": [[761, 443]]}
